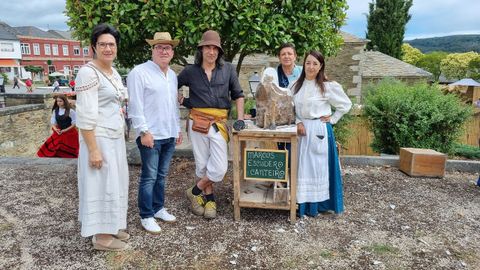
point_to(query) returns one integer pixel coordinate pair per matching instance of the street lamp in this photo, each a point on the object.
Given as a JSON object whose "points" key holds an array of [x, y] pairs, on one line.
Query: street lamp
{"points": [[254, 81]]}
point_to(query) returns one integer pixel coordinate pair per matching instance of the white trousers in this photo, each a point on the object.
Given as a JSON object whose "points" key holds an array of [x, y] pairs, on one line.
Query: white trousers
{"points": [[210, 152]]}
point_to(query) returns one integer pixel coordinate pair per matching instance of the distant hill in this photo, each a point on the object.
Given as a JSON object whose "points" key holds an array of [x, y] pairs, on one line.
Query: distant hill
{"points": [[451, 44]]}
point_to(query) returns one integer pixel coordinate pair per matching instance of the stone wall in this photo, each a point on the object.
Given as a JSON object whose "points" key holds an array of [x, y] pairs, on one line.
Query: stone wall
{"points": [[344, 68], [24, 124]]}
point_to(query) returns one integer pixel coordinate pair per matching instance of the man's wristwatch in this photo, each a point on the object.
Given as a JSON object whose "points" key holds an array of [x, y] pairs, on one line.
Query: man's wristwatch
{"points": [[144, 132]]}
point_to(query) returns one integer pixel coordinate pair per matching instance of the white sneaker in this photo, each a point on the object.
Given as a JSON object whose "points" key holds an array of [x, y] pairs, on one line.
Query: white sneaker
{"points": [[165, 216], [150, 225]]}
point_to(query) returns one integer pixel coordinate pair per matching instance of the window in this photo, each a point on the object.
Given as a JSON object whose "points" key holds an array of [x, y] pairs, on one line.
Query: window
{"points": [[47, 49], [85, 51], [65, 49], [55, 49], [51, 69], [66, 70], [36, 48], [76, 50], [76, 69], [6, 47], [25, 48]]}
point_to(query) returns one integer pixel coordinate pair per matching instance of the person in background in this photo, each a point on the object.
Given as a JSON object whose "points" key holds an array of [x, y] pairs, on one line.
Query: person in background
{"points": [[213, 83], [56, 85], [64, 140], [29, 85], [72, 84], [284, 76], [287, 72], [319, 181], [155, 114], [15, 82], [102, 162]]}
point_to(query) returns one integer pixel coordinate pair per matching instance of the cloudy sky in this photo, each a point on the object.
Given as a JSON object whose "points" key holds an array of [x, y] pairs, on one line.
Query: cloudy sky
{"points": [[429, 17]]}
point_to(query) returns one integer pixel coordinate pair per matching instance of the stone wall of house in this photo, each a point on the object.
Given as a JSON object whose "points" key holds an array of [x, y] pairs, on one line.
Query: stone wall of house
{"points": [[23, 129], [344, 68]]}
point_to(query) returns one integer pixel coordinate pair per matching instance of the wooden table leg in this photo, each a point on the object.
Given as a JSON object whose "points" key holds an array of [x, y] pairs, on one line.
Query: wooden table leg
{"points": [[236, 177], [293, 179]]}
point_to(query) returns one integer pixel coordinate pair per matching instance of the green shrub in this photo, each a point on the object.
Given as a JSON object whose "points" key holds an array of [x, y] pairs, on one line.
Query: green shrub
{"points": [[417, 116], [249, 104], [5, 78], [466, 151], [341, 129]]}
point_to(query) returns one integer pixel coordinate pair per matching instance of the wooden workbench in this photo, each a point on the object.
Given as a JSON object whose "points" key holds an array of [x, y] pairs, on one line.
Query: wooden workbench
{"points": [[258, 194]]}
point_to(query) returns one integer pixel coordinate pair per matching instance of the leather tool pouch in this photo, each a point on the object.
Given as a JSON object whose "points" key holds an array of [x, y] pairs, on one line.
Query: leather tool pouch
{"points": [[201, 123]]}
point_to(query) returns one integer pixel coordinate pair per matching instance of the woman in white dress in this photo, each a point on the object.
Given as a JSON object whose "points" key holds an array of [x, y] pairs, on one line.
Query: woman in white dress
{"points": [[102, 161], [319, 179]]}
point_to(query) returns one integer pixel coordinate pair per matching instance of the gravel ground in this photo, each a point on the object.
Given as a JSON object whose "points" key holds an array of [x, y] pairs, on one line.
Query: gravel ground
{"points": [[391, 221]]}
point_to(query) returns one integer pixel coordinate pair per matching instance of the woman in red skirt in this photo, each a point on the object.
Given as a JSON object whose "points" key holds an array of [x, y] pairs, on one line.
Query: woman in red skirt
{"points": [[64, 140]]}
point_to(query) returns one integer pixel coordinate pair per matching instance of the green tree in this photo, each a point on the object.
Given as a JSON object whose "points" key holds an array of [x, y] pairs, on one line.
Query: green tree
{"points": [[246, 26], [455, 65], [386, 25], [474, 68], [410, 54], [431, 63], [34, 70]]}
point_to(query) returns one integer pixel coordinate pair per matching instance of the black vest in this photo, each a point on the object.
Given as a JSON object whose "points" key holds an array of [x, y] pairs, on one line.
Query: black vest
{"points": [[63, 121]]}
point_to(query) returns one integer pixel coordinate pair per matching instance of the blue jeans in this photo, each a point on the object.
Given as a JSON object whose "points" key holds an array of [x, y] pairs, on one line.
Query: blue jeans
{"points": [[155, 165]]}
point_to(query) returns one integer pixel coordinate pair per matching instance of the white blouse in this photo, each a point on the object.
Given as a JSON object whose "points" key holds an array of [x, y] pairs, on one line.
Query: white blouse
{"points": [[61, 111], [99, 102], [311, 104]]}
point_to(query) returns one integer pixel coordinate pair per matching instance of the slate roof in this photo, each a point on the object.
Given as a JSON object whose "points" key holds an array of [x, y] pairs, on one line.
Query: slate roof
{"points": [[349, 38], [33, 31], [7, 32], [377, 65], [61, 34]]}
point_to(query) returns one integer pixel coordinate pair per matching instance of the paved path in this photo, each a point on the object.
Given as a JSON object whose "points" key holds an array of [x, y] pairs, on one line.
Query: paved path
{"points": [[38, 90]]}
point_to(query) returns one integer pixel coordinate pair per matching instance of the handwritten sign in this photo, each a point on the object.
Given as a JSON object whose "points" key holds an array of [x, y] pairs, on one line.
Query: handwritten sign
{"points": [[265, 164]]}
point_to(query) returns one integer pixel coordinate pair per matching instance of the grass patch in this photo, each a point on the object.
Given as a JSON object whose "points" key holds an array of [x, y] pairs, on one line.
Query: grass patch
{"points": [[326, 254], [466, 151], [381, 249]]}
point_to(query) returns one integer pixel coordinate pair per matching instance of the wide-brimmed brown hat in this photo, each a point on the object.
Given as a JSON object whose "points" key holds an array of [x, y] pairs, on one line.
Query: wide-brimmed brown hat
{"points": [[162, 38], [211, 37]]}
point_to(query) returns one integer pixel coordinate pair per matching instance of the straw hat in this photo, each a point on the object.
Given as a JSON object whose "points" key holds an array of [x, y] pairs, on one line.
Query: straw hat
{"points": [[211, 38], [162, 38]]}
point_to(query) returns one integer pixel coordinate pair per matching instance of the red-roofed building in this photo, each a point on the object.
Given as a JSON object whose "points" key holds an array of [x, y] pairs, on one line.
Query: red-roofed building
{"points": [[54, 51]]}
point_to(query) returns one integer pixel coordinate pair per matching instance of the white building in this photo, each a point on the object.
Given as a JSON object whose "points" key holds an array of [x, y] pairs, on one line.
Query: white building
{"points": [[10, 52]]}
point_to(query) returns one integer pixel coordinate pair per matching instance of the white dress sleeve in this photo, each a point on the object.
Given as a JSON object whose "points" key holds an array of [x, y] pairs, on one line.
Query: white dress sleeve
{"points": [[86, 87], [73, 116], [53, 120], [339, 100]]}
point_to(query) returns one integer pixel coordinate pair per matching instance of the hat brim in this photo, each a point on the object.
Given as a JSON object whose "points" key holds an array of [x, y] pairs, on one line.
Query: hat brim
{"points": [[153, 42], [206, 43]]}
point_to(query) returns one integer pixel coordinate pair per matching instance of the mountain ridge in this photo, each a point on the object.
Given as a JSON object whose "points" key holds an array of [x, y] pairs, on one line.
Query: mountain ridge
{"points": [[450, 44]]}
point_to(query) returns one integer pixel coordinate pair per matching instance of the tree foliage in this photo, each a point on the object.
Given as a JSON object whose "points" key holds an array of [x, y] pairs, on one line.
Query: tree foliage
{"points": [[474, 68], [245, 26], [34, 69], [431, 63], [449, 44], [456, 65], [410, 54], [386, 25], [418, 116]]}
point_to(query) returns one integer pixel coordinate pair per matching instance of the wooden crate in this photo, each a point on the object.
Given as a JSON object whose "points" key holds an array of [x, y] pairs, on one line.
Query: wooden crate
{"points": [[422, 162]]}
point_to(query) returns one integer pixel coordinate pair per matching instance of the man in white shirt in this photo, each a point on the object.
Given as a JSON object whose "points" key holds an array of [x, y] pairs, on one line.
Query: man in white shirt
{"points": [[155, 115]]}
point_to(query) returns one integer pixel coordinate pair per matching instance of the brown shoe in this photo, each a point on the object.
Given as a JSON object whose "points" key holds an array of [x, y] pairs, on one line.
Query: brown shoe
{"points": [[196, 202], [122, 235], [210, 210], [115, 245]]}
